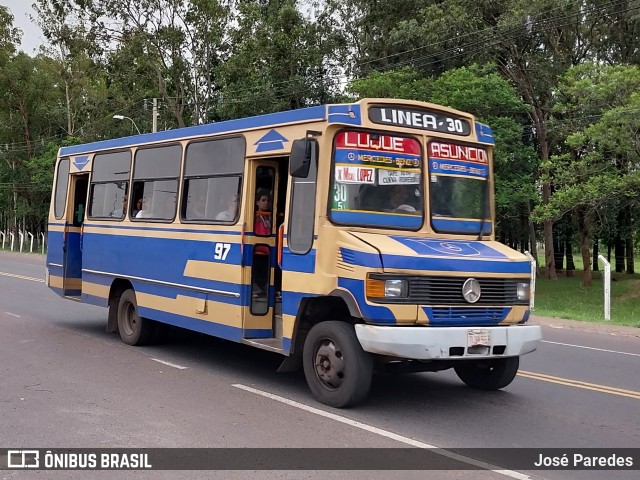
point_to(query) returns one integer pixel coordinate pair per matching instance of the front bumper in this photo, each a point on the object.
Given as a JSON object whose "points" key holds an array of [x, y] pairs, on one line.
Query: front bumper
{"points": [[446, 343]]}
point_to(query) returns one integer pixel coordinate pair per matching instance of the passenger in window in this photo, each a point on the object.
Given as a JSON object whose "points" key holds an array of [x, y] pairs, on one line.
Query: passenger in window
{"points": [[145, 211], [230, 213], [198, 208], [137, 207], [399, 200], [261, 227], [124, 205]]}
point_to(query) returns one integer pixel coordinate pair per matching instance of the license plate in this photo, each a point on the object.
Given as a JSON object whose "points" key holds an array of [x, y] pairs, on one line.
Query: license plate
{"points": [[479, 337]]}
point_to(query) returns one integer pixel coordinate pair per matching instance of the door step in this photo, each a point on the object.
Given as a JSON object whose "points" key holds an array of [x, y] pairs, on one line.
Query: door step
{"points": [[271, 344], [73, 297]]}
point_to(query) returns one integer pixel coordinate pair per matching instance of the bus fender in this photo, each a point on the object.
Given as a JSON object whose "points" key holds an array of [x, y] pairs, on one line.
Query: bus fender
{"points": [[349, 300]]}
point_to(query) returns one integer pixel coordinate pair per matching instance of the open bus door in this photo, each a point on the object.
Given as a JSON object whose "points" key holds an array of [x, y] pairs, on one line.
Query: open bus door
{"points": [[72, 237], [260, 274]]}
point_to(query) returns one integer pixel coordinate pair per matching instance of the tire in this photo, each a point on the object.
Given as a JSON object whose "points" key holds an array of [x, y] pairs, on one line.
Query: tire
{"points": [[134, 329], [488, 374], [337, 370]]}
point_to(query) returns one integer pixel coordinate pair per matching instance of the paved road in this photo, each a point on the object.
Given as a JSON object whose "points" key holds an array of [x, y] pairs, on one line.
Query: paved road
{"points": [[67, 383]]}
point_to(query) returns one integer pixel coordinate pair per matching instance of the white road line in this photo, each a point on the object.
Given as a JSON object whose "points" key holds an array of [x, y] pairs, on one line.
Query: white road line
{"points": [[385, 433], [13, 275], [174, 365], [592, 348], [12, 314]]}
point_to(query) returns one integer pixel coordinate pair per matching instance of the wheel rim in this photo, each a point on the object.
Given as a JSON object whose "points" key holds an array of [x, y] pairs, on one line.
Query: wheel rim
{"points": [[329, 363], [130, 319]]}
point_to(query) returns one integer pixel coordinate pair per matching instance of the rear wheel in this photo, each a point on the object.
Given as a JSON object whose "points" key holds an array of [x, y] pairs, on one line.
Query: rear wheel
{"points": [[488, 374], [134, 330], [337, 370]]}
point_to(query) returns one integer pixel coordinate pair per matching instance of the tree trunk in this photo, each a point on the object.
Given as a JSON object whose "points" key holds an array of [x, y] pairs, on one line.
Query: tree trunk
{"points": [[569, 251], [630, 260], [583, 226], [628, 224], [558, 247], [619, 253], [532, 237]]}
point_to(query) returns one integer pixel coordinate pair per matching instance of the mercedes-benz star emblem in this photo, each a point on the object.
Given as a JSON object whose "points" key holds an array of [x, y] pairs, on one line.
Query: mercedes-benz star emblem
{"points": [[471, 290]]}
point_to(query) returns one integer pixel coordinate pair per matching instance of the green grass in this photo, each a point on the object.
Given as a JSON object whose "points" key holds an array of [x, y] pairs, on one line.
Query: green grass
{"points": [[566, 297]]}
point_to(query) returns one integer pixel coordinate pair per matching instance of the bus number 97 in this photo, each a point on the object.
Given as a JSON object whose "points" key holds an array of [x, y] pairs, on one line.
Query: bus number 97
{"points": [[221, 251]]}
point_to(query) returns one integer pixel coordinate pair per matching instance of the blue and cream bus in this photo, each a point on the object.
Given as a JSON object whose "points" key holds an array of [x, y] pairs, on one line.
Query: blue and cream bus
{"points": [[376, 248]]}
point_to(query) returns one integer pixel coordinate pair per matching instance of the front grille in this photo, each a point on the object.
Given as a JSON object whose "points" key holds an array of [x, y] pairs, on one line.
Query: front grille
{"points": [[447, 316], [425, 290]]}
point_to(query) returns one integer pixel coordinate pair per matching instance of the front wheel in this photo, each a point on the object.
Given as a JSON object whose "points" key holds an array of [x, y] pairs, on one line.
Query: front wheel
{"points": [[488, 374], [134, 329], [337, 370]]}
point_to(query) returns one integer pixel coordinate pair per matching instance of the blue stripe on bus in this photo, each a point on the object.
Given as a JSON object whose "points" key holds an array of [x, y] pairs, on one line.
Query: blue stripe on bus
{"points": [[372, 260], [172, 292], [376, 219], [286, 345], [291, 301], [374, 313], [461, 226], [317, 113], [202, 326], [355, 257], [298, 263], [95, 300], [349, 114]]}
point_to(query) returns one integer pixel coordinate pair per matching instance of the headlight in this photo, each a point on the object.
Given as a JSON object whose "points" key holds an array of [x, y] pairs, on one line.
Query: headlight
{"points": [[524, 292], [392, 288], [395, 288]]}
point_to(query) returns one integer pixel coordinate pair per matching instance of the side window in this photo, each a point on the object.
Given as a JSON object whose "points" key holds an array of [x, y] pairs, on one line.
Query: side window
{"points": [[155, 183], [302, 212], [109, 185], [212, 180], [62, 181]]}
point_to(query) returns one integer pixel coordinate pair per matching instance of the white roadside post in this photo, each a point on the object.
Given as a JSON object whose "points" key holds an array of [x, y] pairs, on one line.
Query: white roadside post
{"points": [[13, 237], [31, 235], [3, 238], [21, 235], [532, 294], [42, 235], [607, 287]]}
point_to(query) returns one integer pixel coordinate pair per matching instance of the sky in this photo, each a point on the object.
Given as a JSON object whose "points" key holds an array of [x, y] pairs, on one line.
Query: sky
{"points": [[32, 36]]}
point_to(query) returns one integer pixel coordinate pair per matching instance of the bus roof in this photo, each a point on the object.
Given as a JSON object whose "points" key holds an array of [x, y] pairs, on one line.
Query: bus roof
{"points": [[345, 113]]}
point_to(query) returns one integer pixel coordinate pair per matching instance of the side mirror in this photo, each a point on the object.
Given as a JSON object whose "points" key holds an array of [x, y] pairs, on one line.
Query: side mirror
{"points": [[303, 152]]}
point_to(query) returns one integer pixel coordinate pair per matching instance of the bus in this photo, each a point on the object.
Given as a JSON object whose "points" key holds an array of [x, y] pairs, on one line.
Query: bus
{"points": [[350, 238]]}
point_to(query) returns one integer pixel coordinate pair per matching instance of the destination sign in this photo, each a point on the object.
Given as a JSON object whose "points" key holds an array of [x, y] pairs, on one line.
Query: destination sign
{"points": [[421, 119]]}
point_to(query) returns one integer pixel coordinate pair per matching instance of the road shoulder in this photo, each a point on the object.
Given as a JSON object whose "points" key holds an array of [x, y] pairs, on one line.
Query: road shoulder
{"points": [[604, 329]]}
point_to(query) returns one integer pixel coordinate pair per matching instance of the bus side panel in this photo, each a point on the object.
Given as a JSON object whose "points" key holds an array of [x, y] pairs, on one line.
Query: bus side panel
{"points": [[174, 273]]}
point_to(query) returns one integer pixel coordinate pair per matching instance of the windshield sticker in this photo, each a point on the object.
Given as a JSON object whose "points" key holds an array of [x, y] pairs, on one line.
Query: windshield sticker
{"points": [[453, 159], [349, 174], [404, 177]]}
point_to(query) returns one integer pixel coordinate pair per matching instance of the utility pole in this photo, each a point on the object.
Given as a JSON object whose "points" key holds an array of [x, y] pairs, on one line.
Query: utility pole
{"points": [[155, 115]]}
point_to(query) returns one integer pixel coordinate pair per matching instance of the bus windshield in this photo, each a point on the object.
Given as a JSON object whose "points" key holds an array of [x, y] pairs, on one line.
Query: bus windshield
{"points": [[458, 193], [377, 180]]}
